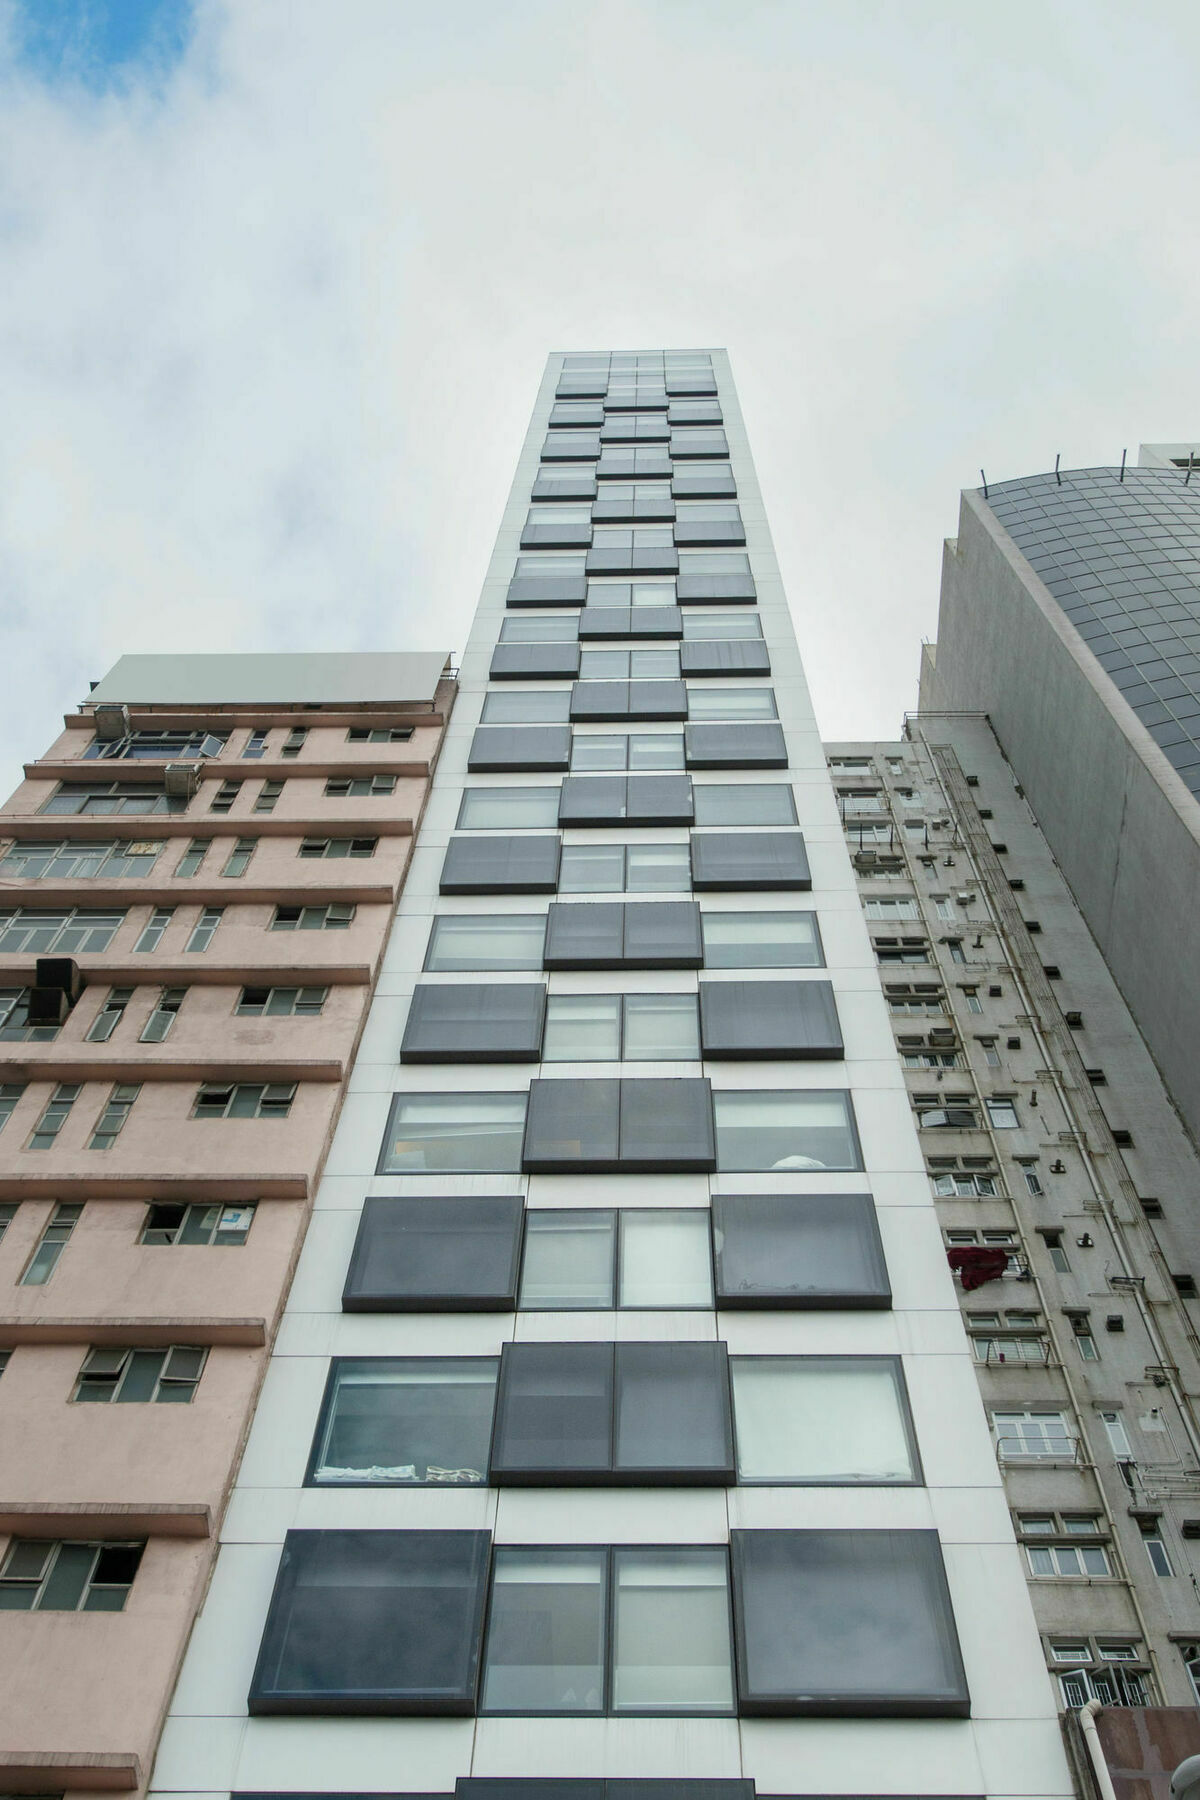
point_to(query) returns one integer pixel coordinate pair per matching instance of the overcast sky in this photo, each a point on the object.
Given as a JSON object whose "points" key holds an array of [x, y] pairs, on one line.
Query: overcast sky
{"points": [[278, 279]]}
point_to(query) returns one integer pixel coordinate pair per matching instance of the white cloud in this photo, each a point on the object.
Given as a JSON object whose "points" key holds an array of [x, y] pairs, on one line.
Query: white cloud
{"points": [[269, 334]]}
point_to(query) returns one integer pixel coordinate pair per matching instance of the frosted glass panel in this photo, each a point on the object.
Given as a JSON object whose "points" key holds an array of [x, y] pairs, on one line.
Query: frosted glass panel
{"points": [[568, 1260], [821, 1419], [671, 1629], [665, 1258]]}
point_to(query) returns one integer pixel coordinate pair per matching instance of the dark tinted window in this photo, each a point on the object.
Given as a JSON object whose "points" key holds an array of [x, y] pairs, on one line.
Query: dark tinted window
{"points": [[508, 865], [520, 747], [373, 1622], [769, 1019], [474, 1022], [451, 1254], [749, 745], [635, 1124], [745, 861], [798, 1250], [550, 662], [887, 1644], [646, 934]]}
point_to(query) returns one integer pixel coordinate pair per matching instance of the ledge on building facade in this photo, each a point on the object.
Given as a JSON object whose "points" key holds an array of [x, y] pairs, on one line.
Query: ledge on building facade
{"points": [[113, 1518], [161, 1328], [39, 1062], [59, 1771], [194, 1185]]}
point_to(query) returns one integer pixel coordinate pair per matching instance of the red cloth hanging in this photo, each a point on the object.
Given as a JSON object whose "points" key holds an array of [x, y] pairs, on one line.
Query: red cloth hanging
{"points": [[977, 1265]]}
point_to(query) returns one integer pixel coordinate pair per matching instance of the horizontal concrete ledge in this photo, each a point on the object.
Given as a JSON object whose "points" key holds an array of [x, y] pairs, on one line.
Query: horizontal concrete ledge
{"points": [[58, 1771], [375, 760], [175, 1328], [175, 715], [183, 971], [41, 1062], [51, 1518], [195, 1185], [101, 827], [215, 892]]}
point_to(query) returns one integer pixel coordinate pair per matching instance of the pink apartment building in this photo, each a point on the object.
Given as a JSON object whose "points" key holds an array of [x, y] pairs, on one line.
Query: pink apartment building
{"points": [[197, 881]]}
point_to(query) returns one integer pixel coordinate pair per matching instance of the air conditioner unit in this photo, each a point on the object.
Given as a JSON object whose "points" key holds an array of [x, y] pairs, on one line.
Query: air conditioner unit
{"points": [[47, 1006], [181, 780], [57, 986], [111, 722], [865, 859], [964, 899], [943, 1035]]}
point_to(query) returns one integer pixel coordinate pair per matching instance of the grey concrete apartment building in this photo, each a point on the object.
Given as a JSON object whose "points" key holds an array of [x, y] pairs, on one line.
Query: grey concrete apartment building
{"points": [[1065, 1186], [622, 1438]]}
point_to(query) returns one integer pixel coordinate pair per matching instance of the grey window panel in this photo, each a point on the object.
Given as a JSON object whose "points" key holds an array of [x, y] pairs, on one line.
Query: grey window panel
{"points": [[799, 1250], [523, 662], [755, 744], [653, 560], [572, 1125], [592, 800], [617, 700], [582, 935], [608, 510], [758, 1019], [737, 585], [628, 428], [630, 622], [522, 864], [571, 446], [691, 384], [370, 1622], [436, 1255], [533, 1787], [667, 1125], [723, 656], [649, 934], [599, 700], [582, 387], [746, 861], [546, 535], [547, 590], [662, 934], [693, 481], [619, 460], [658, 800], [554, 1408], [626, 800], [886, 1645], [566, 1787], [597, 1412], [578, 414], [641, 1126], [533, 747], [552, 486], [695, 410], [474, 1021], [671, 1414], [706, 531], [684, 442]]}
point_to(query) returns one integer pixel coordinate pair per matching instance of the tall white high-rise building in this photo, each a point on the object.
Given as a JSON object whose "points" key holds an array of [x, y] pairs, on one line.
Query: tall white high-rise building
{"points": [[622, 1432]]}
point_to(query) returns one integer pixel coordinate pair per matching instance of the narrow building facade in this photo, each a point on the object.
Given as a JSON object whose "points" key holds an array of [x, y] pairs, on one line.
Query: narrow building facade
{"points": [[198, 879], [621, 1437]]}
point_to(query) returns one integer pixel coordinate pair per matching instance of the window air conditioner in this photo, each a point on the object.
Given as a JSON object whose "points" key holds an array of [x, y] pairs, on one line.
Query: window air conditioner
{"points": [[181, 780], [111, 722]]}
